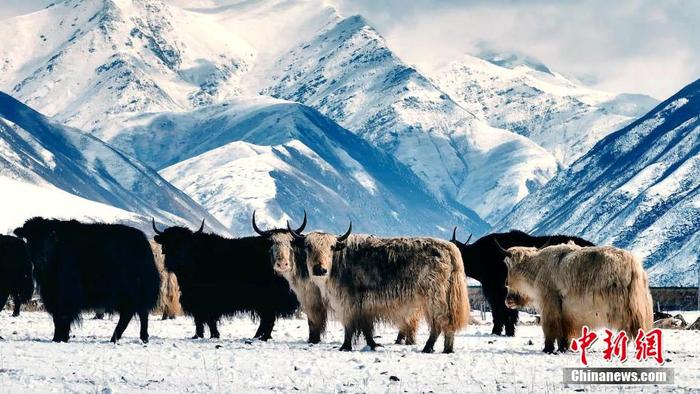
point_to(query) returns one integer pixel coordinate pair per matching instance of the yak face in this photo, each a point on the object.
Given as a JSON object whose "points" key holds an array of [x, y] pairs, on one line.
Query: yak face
{"points": [[515, 299], [520, 292], [319, 249], [175, 243], [282, 253], [42, 241]]}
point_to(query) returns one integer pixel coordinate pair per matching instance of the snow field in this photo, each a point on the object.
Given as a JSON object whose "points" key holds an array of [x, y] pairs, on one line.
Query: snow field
{"points": [[171, 362]]}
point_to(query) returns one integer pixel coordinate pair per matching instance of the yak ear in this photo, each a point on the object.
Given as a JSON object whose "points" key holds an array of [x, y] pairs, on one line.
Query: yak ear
{"points": [[339, 246]]}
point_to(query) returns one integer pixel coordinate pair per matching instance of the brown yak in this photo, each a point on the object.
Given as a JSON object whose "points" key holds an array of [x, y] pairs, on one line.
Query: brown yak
{"points": [[367, 279], [572, 286], [289, 261]]}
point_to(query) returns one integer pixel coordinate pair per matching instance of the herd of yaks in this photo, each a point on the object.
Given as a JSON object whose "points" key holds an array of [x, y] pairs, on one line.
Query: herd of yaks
{"points": [[357, 279]]}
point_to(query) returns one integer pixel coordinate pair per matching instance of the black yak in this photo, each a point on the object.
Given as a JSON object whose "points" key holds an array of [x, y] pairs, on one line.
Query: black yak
{"points": [[81, 267], [485, 262], [368, 279], [222, 277], [15, 272]]}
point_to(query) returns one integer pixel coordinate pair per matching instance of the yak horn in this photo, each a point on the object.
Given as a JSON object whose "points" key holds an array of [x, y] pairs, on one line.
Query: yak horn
{"points": [[546, 243], [303, 225], [469, 239], [200, 228], [504, 250], [454, 234], [153, 223], [346, 235], [294, 233], [257, 230]]}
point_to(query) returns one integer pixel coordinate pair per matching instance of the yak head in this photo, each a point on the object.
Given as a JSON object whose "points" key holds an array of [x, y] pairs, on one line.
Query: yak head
{"points": [[521, 275], [284, 247], [320, 248], [176, 243], [42, 240]]}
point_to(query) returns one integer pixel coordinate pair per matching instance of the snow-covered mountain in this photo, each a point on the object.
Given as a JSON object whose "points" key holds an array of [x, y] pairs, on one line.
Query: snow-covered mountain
{"points": [[87, 61], [37, 151], [523, 95], [94, 64], [639, 188], [348, 73], [281, 157]]}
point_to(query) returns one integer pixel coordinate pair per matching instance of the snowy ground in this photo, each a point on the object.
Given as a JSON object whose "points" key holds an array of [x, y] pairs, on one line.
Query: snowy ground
{"points": [[172, 363]]}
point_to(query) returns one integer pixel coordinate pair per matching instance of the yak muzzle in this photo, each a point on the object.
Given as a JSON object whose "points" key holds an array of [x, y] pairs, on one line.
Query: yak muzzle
{"points": [[317, 270], [281, 266]]}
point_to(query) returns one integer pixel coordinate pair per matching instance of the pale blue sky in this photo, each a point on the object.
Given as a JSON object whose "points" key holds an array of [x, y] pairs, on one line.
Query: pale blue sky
{"points": [[640, 46]]}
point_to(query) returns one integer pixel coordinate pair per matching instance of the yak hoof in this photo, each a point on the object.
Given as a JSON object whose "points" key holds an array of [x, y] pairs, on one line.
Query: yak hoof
{"points": [[448, 351], [15, 314], [548, 350], [428, 350], [346, 348]]}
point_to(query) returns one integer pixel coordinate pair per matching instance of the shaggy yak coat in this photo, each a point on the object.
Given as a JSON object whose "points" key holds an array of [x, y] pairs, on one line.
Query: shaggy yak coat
{"points": [[289, 261], [367, 279], [573, 286]]}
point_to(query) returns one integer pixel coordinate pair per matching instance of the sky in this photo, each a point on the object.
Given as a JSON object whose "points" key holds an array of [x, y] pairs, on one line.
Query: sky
{"points": [[635, 46]]}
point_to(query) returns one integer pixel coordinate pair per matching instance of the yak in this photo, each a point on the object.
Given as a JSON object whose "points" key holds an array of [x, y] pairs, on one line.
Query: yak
{"points": [[98, 266], [484, 262], [573, 286], [289, 261], [367, 279], [15, 272], [225, 276]]}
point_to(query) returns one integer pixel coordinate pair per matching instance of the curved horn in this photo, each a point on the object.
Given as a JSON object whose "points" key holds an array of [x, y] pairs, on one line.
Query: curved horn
{"points": [[294, 233], [504, 250], [346, 235], [546, 243], [201, 228], [469, 239], [454, 234], [153, 223], [303, 225], [255, 227]]}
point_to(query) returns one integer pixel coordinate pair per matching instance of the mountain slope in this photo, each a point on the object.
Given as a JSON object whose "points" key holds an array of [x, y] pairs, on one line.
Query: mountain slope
{"points": [[349, 74], [639, 188], [36, 150], [279, 158], [526, 97], [88, 61]]}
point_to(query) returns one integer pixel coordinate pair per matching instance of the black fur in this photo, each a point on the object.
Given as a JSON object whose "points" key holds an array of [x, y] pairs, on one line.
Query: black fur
{"points": [[223, 277], [15, 272], [484, 261], [81, 267]]}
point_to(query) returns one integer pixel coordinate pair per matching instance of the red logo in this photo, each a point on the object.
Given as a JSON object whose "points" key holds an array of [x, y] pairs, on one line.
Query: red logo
{"points": [[647, 345]]}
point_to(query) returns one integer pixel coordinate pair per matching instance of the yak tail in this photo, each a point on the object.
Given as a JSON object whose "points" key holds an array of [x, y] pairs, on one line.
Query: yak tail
{"points": [[640, 302], [457, 296]]}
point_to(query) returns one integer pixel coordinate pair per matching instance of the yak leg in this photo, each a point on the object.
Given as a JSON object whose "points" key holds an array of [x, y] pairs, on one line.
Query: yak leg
{"points": [[434, 334], [407, 331], [124, 319], [499, 311], [213, 331], [267, 323], [3, 300], [17, 302], [317, 317], [143, 318], [551, 321], [350, 329], [198, 327], [61, 331], [368, 332], [511, 321]]}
